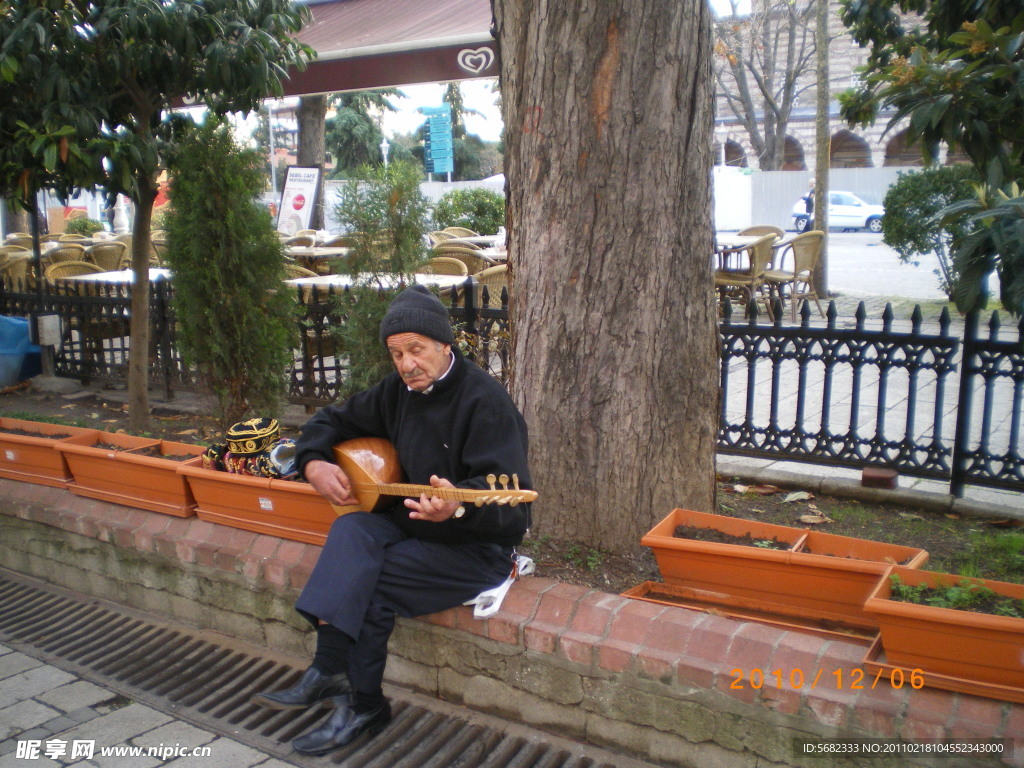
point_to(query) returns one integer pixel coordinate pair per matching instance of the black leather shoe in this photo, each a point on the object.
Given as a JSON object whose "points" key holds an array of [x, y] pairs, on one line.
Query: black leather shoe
{"points": [[344, 726], [312, 688]]}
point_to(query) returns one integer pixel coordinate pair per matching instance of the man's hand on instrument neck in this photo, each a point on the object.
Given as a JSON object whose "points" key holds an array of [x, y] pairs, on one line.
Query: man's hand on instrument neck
{"points": [[330, 481], [434, 509]]}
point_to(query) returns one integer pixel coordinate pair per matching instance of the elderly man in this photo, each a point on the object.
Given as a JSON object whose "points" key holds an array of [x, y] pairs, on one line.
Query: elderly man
{"points": [[451, 424]]}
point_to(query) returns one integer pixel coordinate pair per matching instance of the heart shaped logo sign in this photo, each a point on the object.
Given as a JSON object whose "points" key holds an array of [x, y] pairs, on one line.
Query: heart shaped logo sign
{"points": [[476, 60]]}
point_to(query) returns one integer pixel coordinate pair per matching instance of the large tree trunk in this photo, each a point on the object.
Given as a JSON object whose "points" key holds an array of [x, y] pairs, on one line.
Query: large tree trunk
{"points": [[615, 339], [312, 116]]}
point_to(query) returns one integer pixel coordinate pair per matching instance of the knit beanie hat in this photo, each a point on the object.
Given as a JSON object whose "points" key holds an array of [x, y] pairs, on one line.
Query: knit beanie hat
{"points": [[417, 310]]}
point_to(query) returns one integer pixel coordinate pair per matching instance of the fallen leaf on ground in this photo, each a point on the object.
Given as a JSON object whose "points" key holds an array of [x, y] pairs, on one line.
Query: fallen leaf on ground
{"points": [[815, 519], [764, 490], [65, 407], [797, 496], [909, 516], [1008, 523], [188, 432]]}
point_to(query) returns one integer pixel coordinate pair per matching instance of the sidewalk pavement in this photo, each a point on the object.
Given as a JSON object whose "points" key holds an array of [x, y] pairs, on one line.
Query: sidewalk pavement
{"points": [[51, 717]]}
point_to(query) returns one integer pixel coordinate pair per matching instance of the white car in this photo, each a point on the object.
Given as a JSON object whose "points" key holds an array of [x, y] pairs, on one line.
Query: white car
{"points": [[845, 211]]}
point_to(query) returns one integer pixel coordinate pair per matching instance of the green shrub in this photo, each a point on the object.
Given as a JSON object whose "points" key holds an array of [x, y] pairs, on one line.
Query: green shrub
{"points": [[387, 216], [236, 318], [911, 225], [478, 209], [82, 226]]}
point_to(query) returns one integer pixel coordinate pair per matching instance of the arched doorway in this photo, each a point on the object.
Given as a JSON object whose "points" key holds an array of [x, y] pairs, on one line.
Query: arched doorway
{"points": [[793, 156], [849, 151], [731, 154], [899, 152]]}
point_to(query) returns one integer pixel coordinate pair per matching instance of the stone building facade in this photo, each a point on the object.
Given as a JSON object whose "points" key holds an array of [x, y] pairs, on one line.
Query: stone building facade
{"points": [[872, 147]]}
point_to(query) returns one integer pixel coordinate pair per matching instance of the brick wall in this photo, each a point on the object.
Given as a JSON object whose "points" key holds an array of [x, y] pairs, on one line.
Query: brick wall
{"points": [[661, 682]]}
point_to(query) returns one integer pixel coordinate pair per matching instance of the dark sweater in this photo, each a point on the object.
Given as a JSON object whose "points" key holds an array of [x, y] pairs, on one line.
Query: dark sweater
{"points": [[466, 428]]}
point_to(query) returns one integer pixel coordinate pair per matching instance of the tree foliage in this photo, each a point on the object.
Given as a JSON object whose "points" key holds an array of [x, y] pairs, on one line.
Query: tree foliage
{"points": [[235, 317], [481, 210], [94, 82], [387, 216], [912, 225], [354, 135], [955, 68]]}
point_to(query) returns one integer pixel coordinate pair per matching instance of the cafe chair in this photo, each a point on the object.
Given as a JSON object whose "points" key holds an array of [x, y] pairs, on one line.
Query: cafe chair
{"points": [[72, 238], [107, 255], [747, 283], [465, 254], [66, 269], [439, 235], [17, 270], [444, 265], [6, 251], [293, 271], [798, 281], [65, 252], [19, 238], [763, 229], [495, 279], [300, 240], [460, 232]]}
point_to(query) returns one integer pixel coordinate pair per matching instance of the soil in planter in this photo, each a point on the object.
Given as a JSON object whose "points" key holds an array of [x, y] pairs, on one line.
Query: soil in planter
{"points": [[963, 596], [154, 451], [710, 534], [810, 551], [29, 433]]}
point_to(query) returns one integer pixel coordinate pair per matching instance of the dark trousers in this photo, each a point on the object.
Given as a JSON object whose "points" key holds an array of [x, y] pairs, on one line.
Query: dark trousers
{"points": [[370, 571]]}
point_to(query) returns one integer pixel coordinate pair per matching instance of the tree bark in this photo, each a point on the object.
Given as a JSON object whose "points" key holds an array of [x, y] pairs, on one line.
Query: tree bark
{"points": [[615, 339], [138, 344], [312, 116]]}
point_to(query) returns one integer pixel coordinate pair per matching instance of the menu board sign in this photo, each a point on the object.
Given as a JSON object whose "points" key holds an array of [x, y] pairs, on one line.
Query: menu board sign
{"points": [[297, 199]]}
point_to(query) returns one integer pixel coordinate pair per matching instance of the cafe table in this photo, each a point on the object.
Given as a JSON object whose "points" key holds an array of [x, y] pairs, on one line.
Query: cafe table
{"points": [[121, 276], [308, 256], [437, 281], [487, 241]]}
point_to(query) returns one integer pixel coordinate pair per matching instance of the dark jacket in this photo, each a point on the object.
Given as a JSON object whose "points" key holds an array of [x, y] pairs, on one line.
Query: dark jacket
{"points": [[466, 428]]}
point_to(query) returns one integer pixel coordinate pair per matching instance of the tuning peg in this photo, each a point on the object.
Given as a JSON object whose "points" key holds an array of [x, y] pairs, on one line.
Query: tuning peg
{"points": [[515, 481], [491, 479], [504, 482]]}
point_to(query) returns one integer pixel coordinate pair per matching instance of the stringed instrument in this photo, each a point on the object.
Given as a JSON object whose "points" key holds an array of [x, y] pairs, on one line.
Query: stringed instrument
{"points": [[372, 466]]}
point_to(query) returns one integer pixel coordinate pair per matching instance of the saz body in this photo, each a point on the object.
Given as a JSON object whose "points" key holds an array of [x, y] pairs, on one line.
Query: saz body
{"points": [[372, 466]]}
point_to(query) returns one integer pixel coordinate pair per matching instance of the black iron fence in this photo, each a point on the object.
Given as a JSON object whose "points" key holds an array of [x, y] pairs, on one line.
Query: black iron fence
{"points": [[930, 403], [927, 404]]}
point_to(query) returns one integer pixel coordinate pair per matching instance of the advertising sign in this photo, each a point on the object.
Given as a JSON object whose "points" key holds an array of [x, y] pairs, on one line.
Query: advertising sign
{"points": [[298, 199], [437, 154]]}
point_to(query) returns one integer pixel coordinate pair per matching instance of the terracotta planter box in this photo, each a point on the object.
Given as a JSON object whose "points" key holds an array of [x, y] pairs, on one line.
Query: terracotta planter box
{"points": [[34, 458], [127, 474], [827, 584], [284, 508], [960, 650]]}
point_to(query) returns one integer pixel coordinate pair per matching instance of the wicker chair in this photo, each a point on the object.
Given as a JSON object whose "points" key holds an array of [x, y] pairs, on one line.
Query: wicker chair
{"points": [[65, 252], [464, 254], [293, 271], [72, 238], [6, 251], [460, 232], [17, 269], [66, 269], [806, 249], [444, 265], [748, 283], [19, 238], [438, 236], [494, 279], [301, 240], [107, 255]]}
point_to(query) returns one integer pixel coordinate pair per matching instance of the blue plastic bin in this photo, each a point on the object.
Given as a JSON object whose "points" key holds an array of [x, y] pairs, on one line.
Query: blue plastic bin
{"points": [[17, 352]]}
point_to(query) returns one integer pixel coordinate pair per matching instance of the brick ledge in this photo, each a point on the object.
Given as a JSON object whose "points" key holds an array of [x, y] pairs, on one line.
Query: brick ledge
{"points": [[686, 655]]}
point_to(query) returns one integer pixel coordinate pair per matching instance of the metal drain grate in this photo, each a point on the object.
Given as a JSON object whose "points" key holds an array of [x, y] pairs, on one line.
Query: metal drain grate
{"points": [[209, 682]]}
